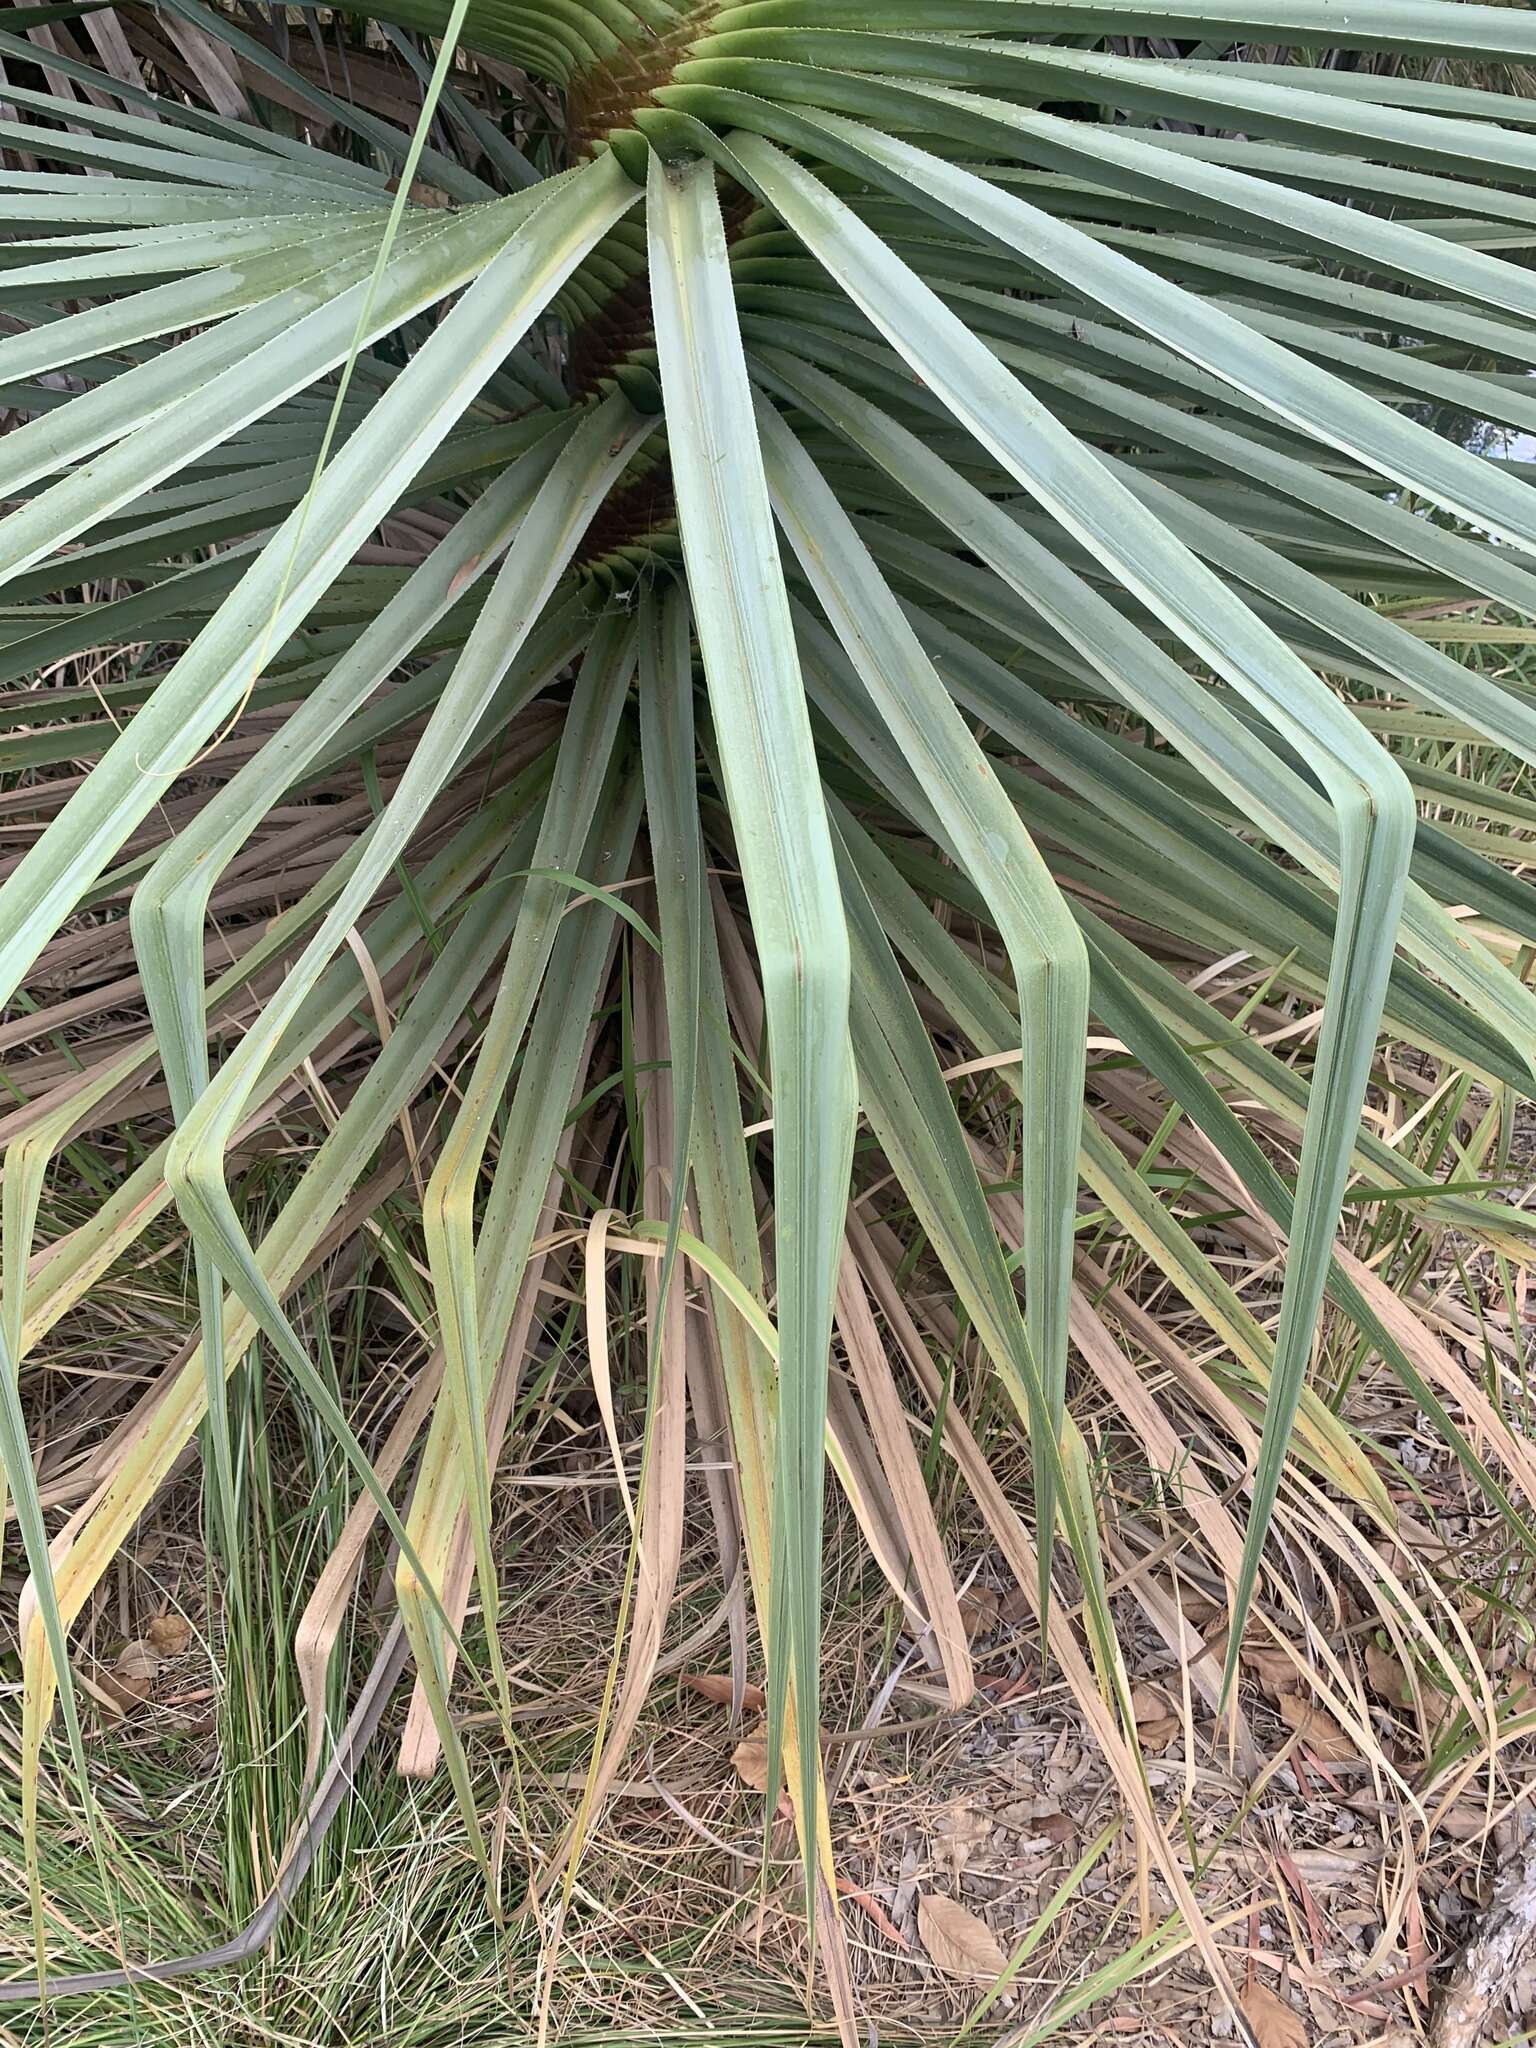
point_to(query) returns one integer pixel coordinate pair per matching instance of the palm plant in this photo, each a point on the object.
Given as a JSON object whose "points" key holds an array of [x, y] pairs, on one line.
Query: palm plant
{"points": [[802, 541]]}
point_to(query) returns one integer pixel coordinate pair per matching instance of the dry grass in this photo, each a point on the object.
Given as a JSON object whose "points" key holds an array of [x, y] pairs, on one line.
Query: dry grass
{"points": [[1344, 1851]]}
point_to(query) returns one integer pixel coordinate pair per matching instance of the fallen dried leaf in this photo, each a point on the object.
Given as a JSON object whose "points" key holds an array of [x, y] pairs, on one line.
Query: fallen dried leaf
{"points": [[1149, 1703], [873, 1909], [1001, 1690], [1199, 1608], [978, 1611], [1386, 1675], [1321, 1736], [129, 1680], [1156, 1722], [1157, 1734], [1466, 1821], [750, 1758], [1038, 1820], [169, 1634], [1334, 1866], [1274, 1668], [137, 1659], [961, 1944], [716, 1686], [1438, 1711], [959, 1831], [1275, 2024]]}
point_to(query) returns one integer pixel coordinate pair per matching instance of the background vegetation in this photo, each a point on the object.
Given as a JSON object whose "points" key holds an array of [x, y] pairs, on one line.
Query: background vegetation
{"points": [[608, 609]]}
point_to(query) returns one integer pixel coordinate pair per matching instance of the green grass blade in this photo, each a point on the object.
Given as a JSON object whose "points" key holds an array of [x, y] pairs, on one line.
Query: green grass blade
{"points": [[773, 788], [1046, 953]]}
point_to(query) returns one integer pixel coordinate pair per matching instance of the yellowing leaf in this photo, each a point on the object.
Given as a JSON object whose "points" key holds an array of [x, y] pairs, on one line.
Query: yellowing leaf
{"points": [[960, 1943], [1274, 2023]]}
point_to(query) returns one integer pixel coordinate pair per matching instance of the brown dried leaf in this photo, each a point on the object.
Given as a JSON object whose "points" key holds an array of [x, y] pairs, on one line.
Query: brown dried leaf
{"points": [[1274, 1668], [1386, 1675], [129, 1680], [1466, 1821], [1321, 1736], [750, 1758], [979, 1610], [961, 1944], [959, 1831], [1199, 1608], [1334, 1866], [1156, 1722], [1038, 1820], [169, 1634], [716, 1686], [1159, 1732], [1275, 2024], [872, 1907], [1001, 1690], [1439, 1709]]}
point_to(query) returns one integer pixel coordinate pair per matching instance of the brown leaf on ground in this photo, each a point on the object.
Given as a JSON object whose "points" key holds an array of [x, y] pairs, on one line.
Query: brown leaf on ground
{"points": [[978, 1611], [169, 1634], [750, 1759], [1321, 1736], [127, 1684], [1386, 1675], [1037, 1820], [1149, 1702], [1275, 2024], [1001, 1690], [959, 1831], [1274, 1668], [716, 1686], [1466, 1821], [961, 1944], [1156, 1722], [1157, 1734], [871, 1907], [1199, 1608]]}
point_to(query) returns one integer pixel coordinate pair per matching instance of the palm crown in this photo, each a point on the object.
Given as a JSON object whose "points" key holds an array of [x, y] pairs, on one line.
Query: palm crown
{"points": [[825, 532]]}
